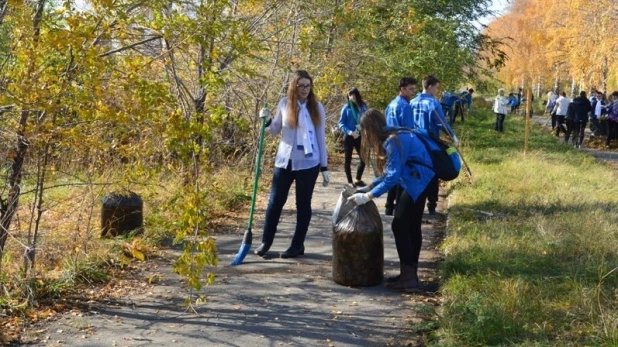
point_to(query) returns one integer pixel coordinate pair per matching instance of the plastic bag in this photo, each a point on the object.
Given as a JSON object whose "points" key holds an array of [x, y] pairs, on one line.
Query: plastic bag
{"points": [[358, 245]]}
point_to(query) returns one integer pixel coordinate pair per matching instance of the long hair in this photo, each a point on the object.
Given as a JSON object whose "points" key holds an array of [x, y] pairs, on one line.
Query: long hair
{"points": [[359, 98], [372, 124], [312, 102]]}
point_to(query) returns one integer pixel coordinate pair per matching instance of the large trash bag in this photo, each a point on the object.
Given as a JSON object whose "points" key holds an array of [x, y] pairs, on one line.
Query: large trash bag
{"points": [[358, 246]]}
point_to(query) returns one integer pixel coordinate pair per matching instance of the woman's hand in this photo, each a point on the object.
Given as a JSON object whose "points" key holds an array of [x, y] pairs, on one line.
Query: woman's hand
{"points": [[360, 198], [325, 178]]}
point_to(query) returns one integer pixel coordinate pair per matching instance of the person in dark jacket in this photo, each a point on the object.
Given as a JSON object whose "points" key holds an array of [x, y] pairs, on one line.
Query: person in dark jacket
{"points": [[392, 152], [580, 107]]}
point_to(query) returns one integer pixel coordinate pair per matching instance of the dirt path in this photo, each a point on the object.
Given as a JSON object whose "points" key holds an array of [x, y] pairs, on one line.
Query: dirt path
{"points": [[264, 302]]}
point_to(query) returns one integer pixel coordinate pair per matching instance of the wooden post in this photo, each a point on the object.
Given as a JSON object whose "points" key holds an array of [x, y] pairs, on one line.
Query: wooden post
{"points": [[528, 115]]}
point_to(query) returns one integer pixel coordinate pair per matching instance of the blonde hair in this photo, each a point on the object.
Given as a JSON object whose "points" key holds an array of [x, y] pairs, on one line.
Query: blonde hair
{"points": [[312, 102]]}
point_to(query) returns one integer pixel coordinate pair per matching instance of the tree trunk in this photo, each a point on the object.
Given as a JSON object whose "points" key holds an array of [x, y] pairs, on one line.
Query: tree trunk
{"points": [[333, 29], [3, 7], [8, 207], [605, 73]]}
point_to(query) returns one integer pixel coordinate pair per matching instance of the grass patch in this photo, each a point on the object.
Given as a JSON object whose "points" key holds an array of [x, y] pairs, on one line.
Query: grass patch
{"points": [[532, 246]]}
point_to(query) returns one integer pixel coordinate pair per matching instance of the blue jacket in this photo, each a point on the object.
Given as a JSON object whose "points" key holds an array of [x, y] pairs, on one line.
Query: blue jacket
{"points": [[413, 178], [423, 107], [347, 121], [448, 99], [466, 98], [398, 113]]}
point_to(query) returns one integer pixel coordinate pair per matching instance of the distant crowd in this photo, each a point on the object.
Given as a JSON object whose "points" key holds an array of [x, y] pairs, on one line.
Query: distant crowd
{"points": [[572, 116]]}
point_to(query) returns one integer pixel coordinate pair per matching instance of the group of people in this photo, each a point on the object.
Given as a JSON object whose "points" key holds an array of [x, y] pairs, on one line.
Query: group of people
{"points": [[572, 116], [398, 155], [455, 104]]}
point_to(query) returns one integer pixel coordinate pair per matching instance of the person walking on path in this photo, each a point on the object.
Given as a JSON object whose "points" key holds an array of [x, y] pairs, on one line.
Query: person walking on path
{"points": [[580, 108], [425, 111], [501, 108], [597, 111], [398, 113], [551, 103], [392, 150], [349, 125], [301, 156], [560, 109], [612, 119]]}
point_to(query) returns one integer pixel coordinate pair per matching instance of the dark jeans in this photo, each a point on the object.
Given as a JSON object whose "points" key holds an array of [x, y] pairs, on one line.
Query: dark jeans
{"points": [[392, 198], [612, 131], [560, 125], [349, 144], [432, 194], [450, 114], [579, 130], [459, 110], [407, 228], [500, 122], [570, 125], [282, 181]]}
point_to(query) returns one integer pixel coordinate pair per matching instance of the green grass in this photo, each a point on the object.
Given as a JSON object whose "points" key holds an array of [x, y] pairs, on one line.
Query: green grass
{"points": [[532, 245]]}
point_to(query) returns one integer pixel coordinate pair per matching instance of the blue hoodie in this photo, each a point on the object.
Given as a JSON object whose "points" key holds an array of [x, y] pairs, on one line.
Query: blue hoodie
{"points": [[413, 178]]}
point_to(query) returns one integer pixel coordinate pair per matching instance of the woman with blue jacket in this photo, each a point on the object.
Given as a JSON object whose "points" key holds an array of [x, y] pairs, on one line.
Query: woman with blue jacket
{"points": [[394, 151], [349, 125]]}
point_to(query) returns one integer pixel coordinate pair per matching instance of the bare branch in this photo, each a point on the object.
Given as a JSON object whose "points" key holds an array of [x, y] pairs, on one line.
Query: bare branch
{"points": [[130, 46]]}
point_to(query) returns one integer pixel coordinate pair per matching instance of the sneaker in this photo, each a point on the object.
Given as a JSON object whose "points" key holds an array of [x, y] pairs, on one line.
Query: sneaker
{"points": [[359, 183], [388, 211], [432, 211]]}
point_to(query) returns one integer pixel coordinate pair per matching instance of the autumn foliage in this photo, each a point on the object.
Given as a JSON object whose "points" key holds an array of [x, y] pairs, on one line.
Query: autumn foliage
{"points": [[568, 44]]}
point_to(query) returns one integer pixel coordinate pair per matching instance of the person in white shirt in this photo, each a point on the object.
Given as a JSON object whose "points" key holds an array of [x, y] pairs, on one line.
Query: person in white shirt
{"points": [[560, 109], [551, 102], [301, 157], [500, 109]]}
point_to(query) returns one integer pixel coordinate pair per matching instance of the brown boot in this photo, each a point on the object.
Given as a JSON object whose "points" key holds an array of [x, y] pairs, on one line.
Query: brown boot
{"points": [[408, 281]]}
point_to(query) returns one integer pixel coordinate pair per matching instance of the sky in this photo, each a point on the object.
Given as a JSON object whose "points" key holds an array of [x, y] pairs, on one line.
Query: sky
{"points": [[499, 6]]}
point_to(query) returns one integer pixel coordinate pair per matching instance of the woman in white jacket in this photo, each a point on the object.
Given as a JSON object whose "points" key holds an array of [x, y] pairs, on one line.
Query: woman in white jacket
{"points": [[500, 109]]}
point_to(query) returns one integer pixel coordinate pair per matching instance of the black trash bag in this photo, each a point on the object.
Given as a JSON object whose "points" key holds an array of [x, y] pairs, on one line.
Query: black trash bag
{"points": [[358, 246]]}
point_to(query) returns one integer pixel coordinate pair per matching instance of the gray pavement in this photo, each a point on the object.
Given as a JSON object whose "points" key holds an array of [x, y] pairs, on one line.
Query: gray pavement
{"points": [[265, 301]]}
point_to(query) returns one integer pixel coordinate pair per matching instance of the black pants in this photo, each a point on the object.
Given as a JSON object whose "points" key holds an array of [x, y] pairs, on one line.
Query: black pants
{"points": [[579, 130], [554, 120], [500, 122], [392, 198], [560, 125], [432, 194], [459, 110], [407, 228], [570, 125], [612, 131], [349, 144]]}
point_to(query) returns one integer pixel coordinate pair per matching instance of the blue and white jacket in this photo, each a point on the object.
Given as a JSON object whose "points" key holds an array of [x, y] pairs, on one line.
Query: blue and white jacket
{"points": [[424, 110], [398, 113], [413, 178]]}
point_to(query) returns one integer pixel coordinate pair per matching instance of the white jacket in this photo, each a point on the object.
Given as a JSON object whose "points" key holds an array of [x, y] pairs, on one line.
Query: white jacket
{"points": [[501, 105]]}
